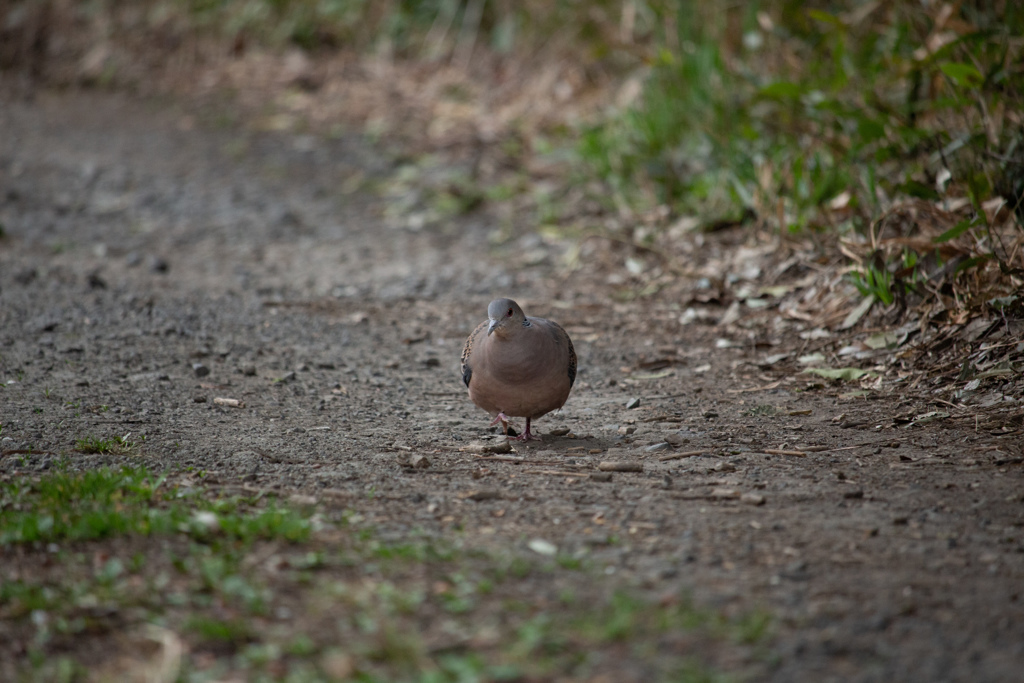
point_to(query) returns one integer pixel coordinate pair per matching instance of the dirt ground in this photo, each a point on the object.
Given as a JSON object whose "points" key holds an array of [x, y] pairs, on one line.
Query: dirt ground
{"points": [[152, 264]]}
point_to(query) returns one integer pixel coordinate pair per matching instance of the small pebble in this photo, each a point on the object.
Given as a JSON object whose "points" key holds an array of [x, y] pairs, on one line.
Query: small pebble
{"points": [[752, 499], [200, 370], [26, 276], [559, 431], [95, 281], [419, 461], [657, 447], [632, 403], [542, 547]]}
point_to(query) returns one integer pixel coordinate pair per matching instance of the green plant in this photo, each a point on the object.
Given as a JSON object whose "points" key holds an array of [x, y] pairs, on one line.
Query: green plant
{"points": [[233, 631], [117, 444], [874, 281], [102, 503], [805, 118], [886, 282]]}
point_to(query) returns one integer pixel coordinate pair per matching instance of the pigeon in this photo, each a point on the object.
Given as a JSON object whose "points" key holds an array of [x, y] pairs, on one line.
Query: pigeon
{"points": [[518, 366]]}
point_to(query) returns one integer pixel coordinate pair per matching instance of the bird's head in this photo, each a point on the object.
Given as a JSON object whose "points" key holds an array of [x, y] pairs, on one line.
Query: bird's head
{"points": [[503, 316]]}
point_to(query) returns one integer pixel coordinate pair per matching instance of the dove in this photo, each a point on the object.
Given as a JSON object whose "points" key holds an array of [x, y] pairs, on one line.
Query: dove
{"points": [[518, 366]]}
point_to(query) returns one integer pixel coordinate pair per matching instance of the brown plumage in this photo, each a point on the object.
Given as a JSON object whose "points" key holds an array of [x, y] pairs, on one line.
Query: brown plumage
{"points": [[517, 366]]}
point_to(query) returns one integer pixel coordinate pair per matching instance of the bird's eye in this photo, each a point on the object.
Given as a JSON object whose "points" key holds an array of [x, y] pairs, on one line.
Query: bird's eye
{"points": [[509, 314]]}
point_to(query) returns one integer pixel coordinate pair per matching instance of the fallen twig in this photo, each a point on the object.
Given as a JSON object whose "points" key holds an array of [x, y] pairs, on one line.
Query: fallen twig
{"points": [[229, 402], [620, 466], [778, 451], [766, 387], [680, 456]]}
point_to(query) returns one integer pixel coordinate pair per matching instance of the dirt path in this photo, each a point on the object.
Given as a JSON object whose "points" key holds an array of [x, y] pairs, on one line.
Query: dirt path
{"points": [[151, 265]]}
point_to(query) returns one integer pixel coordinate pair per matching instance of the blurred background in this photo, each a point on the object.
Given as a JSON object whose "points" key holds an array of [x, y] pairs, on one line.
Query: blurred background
{"points": [[641, 121]]}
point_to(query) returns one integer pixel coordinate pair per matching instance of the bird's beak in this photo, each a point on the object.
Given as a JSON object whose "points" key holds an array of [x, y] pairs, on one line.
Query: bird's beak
{"points": [[491, 326]]}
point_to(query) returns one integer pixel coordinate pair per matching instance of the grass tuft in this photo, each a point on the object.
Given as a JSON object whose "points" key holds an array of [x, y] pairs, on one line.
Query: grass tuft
{"points": [[104, 503], [117, 444]]}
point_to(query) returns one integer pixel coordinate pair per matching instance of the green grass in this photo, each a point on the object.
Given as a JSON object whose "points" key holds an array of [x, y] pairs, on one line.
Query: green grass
{"points": [[66, 506], [233, 631], [817, 118], [251, 589], [117, 444]]}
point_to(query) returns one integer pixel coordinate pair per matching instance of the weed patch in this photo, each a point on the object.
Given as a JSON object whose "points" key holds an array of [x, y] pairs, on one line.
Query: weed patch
{"points": [[254, 591], [66, 506]]}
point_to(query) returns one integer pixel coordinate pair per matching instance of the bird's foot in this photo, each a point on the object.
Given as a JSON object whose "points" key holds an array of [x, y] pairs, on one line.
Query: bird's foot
{"points": [[527, 435], [504, 420]]}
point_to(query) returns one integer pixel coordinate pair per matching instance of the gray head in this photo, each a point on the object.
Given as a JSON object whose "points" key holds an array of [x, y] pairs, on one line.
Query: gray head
{"points": [[504, 315]]}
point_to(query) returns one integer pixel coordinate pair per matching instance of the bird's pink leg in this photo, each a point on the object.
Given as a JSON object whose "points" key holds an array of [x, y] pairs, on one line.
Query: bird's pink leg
{"points": [[527, 435], [503, 419]]}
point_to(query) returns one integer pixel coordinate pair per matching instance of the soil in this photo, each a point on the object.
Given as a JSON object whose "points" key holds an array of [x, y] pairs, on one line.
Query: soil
{"points": [[151, 265]]}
